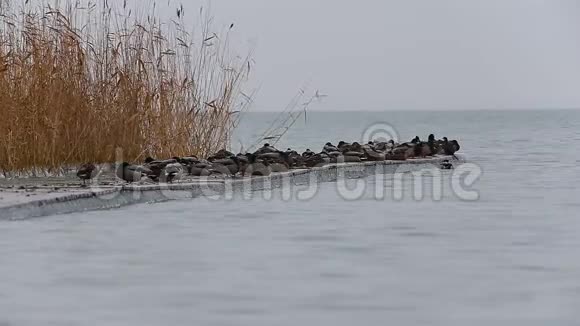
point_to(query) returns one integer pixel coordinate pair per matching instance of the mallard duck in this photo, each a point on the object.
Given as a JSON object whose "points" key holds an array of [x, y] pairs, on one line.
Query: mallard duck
{"points": [[329, 148], [294, 159], [421, 150], [317, 160], [172, 171], [343, 146], [373, 155], [87, 172], [351, 148], [432, 143], [401, 152], [227, 167], [221, 155], [450, 147], [133, 173], [200, 169], [277, 161], [308, 153], [158, 168], [267, 148], [254, 166]]}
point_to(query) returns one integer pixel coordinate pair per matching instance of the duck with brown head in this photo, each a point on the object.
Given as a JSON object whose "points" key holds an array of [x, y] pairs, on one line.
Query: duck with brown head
{"points": [[87, 172]]}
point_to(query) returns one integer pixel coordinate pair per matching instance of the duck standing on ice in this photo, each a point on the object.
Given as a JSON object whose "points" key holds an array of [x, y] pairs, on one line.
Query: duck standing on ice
{"points": [[87, 172]]}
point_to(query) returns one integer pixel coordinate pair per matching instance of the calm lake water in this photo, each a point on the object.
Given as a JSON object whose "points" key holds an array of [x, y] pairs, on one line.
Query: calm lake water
{"points": [[510, 258]]}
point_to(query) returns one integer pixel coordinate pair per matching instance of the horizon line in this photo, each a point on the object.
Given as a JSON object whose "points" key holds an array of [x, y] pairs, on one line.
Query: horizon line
{"points": [[422, 110]]}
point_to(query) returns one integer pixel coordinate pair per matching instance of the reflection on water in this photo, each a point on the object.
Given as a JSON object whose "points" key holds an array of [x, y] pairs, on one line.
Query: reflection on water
{"points": [[509, 258]]}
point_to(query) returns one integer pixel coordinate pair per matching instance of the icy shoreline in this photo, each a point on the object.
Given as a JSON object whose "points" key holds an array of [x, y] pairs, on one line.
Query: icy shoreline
{"points": [[39, 200]]}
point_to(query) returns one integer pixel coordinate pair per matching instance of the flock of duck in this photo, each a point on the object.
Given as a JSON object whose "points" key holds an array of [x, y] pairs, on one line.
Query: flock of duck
{"points": [[268, 159]]}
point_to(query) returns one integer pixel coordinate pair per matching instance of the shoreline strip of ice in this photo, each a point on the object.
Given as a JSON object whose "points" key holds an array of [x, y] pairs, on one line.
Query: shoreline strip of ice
{"points": [[26, 205]]}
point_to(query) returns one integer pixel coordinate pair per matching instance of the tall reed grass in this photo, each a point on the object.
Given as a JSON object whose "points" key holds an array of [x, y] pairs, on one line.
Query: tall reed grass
{"points": [[78, 81]]}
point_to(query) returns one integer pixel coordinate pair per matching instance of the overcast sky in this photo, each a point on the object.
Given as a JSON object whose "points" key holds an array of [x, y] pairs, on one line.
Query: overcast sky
{"points": [[410, 54]]}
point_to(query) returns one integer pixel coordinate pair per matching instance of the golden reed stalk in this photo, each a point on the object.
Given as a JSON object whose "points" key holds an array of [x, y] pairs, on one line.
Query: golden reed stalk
{"points": [[79, 81]]}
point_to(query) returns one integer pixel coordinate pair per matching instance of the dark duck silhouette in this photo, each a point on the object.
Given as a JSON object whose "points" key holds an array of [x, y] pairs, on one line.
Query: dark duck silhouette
{"points": [[221, 155], [254, 166], [163, 170], [227, 167], [343, 146], [450, 147], [446, 165], [329, 148], [295, 159], [421, 149], [187, 162], [200, 169], [319, 159], [133, 173], [87, 172], [433, 146], [308, 153], [267, 148], [277, 161], [373, 155], [401, 152], [354, 149]]}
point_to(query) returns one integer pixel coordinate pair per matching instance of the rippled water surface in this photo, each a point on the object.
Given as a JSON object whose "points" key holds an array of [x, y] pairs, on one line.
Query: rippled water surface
{"points": [[510, 258]]}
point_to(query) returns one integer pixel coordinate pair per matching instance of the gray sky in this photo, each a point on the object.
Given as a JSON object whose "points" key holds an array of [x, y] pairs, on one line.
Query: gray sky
{"points": [[410, 54]]}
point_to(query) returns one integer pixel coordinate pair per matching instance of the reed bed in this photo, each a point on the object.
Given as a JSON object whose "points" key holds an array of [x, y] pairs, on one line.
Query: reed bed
{"points": [[83, 82]]}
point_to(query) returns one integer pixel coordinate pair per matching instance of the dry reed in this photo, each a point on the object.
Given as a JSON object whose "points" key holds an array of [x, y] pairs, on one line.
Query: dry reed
{"points": [[80, 81]]}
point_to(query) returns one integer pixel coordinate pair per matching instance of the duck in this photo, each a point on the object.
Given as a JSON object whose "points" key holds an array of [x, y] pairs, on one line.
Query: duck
{"points": [[158, 168], [354, 149], [255, 166], [86, 172], [221, 155], [172, 171], [267, 148], [187, 160], [277, 161], [421, 150], [456, 144], [133, 173], [432, 143], [381, 146], [296, 160], [308, 153], [227, 167], [450, 147], [401, 152], [329, 148], [319, 159], [343, 146], [373, 155], [200, 169]]}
